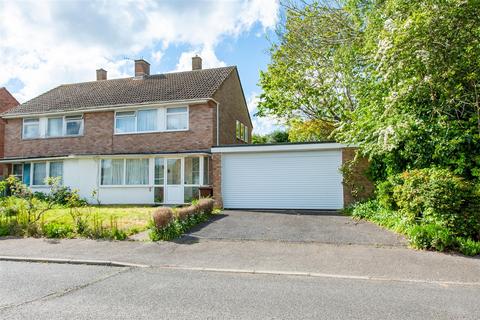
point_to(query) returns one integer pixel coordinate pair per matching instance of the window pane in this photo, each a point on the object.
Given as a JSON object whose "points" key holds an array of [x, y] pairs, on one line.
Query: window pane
{"points": [[125, 124], [31, 128], [112, 172], [192, 170], [159, 171], [55, 127], [177, 110], [26, 174], [56, 170], [191, 193], [158, 194], [147, 120], [206, 171], [136, 171], [39, 173], [174, 171], [177, 121], [17, 170], [245, 134], [238, 129], [73, 127]]}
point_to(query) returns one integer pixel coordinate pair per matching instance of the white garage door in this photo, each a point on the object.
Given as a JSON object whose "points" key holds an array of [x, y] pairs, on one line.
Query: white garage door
{"points": [[282, 180]]}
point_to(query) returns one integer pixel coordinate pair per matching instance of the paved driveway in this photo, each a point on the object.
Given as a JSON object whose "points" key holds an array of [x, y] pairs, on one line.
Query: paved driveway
{"points": [[330, 228]]}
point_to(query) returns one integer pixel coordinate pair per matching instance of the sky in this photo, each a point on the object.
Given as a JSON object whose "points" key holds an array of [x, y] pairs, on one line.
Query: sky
{"points": [[47, 43]]}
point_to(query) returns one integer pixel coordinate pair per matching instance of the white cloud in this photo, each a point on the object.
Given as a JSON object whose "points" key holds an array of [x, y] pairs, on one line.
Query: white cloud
{"points": [[47, 43], [261, 125]]}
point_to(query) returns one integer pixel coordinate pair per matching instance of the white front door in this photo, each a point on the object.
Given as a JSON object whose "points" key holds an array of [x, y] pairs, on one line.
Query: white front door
{"points": [[174, 186]]}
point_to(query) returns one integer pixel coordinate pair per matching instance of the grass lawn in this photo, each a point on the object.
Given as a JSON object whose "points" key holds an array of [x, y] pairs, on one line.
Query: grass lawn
{"points": [[132, 219]]}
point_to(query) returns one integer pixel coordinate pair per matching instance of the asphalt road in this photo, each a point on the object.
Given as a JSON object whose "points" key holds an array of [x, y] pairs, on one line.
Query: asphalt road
{"points": [[55, 291]]}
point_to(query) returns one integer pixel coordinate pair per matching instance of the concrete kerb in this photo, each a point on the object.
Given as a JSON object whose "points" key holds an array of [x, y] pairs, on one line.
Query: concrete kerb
{"points": [[74, 261]]}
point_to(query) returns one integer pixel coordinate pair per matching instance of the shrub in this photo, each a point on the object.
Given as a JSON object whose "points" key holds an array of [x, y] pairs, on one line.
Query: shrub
{"points": [[468, 246], [431, 236], [185, 212], [162, 217], [206, 205], [437, 196], [57, 230]]}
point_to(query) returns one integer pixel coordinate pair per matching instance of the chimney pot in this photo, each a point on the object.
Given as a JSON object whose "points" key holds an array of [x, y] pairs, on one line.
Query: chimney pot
{"points": [[101, 74], [196, 63], [142, 68]]}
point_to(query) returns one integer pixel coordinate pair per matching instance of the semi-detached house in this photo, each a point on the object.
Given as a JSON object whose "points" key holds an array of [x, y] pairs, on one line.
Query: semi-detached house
{"points": [[144, 139]]}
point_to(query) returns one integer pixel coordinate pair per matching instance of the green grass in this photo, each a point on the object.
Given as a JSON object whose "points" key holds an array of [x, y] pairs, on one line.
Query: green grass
{"points": [[130, 218]]}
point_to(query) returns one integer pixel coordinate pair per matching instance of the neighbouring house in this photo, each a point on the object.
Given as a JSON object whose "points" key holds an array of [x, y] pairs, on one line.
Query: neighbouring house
{"points": [[145, 139], [7, 102]]}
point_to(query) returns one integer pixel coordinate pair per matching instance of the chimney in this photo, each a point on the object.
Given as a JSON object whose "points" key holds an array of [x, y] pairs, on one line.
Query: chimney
{"points": [[196, 63], [101, 74], [142, 68]]}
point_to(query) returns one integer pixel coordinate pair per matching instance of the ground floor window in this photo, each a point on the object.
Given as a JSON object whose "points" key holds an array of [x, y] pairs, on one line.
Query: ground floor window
{"points": [[39, 174], [17, 171], [191, 193]]}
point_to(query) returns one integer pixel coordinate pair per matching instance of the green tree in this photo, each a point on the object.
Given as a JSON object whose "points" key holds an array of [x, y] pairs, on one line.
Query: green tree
{"points": [[277, 136], [418, 105], [313, 66]]}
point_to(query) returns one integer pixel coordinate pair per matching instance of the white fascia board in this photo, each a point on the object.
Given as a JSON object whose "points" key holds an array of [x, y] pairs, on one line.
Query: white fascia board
{"points": [[107, 108], [109, 156], [279, 147]]}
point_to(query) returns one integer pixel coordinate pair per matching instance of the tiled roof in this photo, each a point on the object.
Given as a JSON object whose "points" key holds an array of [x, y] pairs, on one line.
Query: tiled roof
{"points": [[188, 85]]}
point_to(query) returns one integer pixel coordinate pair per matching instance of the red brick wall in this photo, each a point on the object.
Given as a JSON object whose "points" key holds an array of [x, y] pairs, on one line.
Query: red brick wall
{"points": [[7, 102], [232, 108], [98, 137], [217, 178], [356, 185]]}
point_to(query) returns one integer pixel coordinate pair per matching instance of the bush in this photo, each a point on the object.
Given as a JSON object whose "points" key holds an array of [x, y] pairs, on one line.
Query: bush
{"points": [[435, 196], [206, 205], [185, 212], [162, 217], [57, 230], [468, 246], [431, 236]]}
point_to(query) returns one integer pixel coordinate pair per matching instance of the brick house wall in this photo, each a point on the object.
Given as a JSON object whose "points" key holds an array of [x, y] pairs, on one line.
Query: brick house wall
{"points": [[356, 185], [98, 137], [233, 107], [7, 102]]}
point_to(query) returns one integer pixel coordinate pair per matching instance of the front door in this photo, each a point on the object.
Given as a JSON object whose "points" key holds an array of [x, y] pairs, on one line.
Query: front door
{"points": [[174, 187]]}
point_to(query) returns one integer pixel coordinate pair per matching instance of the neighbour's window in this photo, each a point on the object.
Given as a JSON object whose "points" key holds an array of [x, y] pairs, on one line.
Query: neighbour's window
{"points": [[125, 122], [238, 129], [159, 171], [55, 127], [245, 133], [31, 128], [56, 170], [192, 170], [206, 171], [73, 125], [136, 171], [112, 172], [177, 118], [17, 171], [146, 120], [39, 173]]}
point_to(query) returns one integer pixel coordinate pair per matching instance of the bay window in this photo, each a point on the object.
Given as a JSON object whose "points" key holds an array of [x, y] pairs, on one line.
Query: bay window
{"points": [[177, 118], [31, 128]]}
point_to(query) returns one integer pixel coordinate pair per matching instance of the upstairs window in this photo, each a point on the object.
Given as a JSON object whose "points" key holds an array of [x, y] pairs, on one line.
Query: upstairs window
{"points": [[125, 122], [55, 127], [31, 128], [241, 131], [73, 125], [177, 118], [146, 120]]}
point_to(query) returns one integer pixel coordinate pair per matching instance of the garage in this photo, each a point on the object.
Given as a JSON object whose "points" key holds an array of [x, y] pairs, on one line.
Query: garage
{"points": [[285, 176]]}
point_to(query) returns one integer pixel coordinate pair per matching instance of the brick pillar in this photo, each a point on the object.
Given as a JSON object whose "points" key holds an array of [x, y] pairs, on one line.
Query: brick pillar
{"points": [[356, 185], [217, 179]]}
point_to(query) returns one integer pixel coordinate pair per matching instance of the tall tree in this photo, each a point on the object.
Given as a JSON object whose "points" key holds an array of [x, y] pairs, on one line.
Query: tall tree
{"points": [[313, 65]]}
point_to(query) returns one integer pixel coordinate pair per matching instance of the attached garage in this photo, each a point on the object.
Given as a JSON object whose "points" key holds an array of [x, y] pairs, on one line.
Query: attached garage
{"points": [[290, 176]]}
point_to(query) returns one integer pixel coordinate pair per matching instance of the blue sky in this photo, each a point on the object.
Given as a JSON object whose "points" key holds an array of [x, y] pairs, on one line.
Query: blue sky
{"points": [[48, 43]]}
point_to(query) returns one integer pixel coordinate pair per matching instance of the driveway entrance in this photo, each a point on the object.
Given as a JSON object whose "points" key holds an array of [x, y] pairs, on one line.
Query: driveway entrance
{"points": [[293, 226]]}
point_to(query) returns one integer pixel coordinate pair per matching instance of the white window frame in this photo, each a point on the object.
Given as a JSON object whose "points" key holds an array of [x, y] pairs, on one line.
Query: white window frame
{"points": [[124, 184], [43, 127], [124, 116], [24, 126], [187, 112]]}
